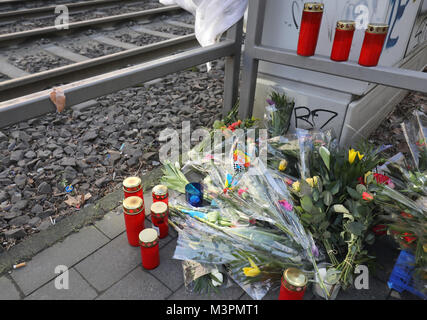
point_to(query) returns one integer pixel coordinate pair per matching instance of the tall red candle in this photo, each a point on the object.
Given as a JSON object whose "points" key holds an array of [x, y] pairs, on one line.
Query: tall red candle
{"points": [[293, 286], [134, 214], [159, 217], [342, 41], [373, 43], [160, 193], [149, 243], [132, 187], [310, 27]]}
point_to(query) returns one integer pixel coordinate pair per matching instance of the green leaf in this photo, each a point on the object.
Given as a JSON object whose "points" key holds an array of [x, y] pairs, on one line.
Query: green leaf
{"points": [[326, 156], [315, 195], [327, 197], [305, 217], [353, 193], [306, 203], [340, 208], [336, 188], [356, 228], [361, 188]]}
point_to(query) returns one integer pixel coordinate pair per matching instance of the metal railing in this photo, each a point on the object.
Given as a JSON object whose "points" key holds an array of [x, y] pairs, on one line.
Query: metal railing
{"points": [[255, 52], [36, 104]]}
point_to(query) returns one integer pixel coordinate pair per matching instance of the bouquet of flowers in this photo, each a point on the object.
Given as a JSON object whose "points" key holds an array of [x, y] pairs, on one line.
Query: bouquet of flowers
{"points": [[278, 114]]}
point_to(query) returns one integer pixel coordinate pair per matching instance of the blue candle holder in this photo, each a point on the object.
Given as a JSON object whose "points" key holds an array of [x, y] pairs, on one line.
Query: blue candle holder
{"points": [[194, 194]]}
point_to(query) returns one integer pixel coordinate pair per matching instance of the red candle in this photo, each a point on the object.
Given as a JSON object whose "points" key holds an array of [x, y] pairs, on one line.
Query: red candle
{"points": [[342, 40], [132, 187], [310, 26], [134, 213], [373, 44], [159, 217], [160, 193], [293, 286], [149, 243]]}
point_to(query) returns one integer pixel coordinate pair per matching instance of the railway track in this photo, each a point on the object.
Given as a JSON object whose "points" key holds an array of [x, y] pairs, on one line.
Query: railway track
{"points": [[41, 58]]}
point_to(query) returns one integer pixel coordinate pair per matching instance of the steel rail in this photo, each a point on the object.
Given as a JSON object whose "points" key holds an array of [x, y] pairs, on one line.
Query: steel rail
{"points": [[36, 12], [7, 39], [14, 88], [37, 104]]}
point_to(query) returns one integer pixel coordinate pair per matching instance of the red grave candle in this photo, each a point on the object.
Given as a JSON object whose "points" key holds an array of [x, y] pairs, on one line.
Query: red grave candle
{"points": [[159, 217], [134, 214], [373, 44], [310, 27], [132, 187], [342, 41], [160, 193], [293, 286], [149, 243]]}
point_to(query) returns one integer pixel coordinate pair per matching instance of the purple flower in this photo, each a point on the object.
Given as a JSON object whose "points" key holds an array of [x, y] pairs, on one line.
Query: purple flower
{"points": [[286, 205], [314, 250], [270, 102]]}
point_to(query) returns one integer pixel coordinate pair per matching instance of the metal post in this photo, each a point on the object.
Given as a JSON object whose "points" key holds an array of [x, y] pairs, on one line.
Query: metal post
{"points": [[232, 68], [256, 13]]}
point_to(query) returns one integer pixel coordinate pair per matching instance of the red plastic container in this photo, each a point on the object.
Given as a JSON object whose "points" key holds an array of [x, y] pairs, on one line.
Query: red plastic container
{"points": [[342, 41], [293, 286], [149, 243], [160, 193], [132, 187], [134, 214], [373, 43], [310, 27], [159, 217]]}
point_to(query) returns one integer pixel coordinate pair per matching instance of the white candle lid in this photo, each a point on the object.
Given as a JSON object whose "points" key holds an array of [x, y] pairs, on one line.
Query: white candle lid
{"points": [[159, 207], [148, 235]]}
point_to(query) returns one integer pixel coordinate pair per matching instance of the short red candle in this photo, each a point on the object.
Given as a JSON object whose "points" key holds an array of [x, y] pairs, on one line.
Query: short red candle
{"points": [[293, 285], [373, 43], [160, 193], [159, 217], [134, 214], [342, 40], [132, 187], [149, 243], [310, 27]]}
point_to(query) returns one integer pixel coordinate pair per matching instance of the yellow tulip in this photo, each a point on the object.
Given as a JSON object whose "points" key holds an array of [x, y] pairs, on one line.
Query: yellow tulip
{"points": [[252, 271], [367, 174], [425, 247], [282, 165], [310, 181], [352, 155], [296, 186], [315, 180]]}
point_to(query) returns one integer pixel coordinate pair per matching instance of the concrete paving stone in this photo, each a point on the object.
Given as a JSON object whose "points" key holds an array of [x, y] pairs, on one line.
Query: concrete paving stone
{"points": [[8, 290], [41, 269], [386, 255], [404, 295], [110, 263], [137, 285], [378, 290], [232, 293], [78, 289], [170, 270], [273, 294], [112, 224]]}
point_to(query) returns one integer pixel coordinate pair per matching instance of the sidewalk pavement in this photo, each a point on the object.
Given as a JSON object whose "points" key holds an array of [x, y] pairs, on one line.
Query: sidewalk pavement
{"points": [[102, 265]]}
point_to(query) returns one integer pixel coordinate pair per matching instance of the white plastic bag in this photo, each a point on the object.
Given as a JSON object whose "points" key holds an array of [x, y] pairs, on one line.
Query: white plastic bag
{"points": [[213, 17]]}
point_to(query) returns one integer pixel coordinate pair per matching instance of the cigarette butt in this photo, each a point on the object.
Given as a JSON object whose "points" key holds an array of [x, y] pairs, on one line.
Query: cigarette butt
{"points": [[19, 265]]}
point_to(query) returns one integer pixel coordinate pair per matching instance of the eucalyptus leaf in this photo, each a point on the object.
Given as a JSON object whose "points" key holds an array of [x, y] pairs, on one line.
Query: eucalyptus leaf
{"points": [[361, 188], [353, 193], [336, 188], [356, 228], [306, 203]]}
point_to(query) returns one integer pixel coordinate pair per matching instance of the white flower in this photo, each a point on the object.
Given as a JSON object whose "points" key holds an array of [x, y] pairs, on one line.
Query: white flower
{"points": [[219, 276]]}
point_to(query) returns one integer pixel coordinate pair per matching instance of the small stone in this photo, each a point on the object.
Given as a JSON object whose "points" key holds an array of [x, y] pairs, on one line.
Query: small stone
{"points": [[20, 180], [34, 222], [3, 196], [11, 215], [46, 214], [44, 188], [20, 205], [30, 154], [68, 162], [89, 136], [100, 182], [69, 173], [37, 209], [43, 154], [17, 155], [19, 221], [15, 234]]}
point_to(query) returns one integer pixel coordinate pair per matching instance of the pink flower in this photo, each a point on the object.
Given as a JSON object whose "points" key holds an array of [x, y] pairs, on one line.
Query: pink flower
{"points": [[209, 157], [286, 205], [241, 191]]}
